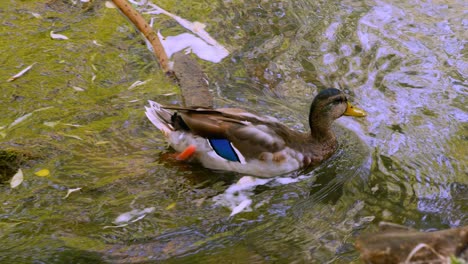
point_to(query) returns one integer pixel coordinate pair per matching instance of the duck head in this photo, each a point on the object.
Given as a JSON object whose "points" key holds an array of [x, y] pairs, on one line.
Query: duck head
{"points": [[328, 105]]}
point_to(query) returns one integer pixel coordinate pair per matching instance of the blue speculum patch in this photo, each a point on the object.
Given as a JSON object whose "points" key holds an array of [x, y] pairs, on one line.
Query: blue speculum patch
{"points": [[223, 148]]}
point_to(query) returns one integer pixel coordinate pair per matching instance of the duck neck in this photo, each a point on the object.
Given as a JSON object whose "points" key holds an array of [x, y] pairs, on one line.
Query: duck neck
{"points": [[320, 128]]}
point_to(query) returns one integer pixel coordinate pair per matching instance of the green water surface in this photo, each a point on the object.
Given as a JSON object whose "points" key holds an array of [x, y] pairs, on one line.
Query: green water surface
{"points": [[73, 113]]}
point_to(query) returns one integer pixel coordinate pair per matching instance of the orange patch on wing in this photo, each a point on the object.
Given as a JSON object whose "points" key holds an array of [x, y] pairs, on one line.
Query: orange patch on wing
{"points": [[278, 157], [265, 156], [187, 153]]}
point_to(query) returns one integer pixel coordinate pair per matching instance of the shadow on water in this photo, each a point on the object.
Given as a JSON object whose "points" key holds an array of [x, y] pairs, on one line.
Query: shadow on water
{"points": [[75, 114]]}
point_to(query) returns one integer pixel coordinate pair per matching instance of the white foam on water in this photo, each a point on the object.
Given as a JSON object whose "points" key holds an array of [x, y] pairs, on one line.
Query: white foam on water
{"points": [[200, 42], [238, 196]]}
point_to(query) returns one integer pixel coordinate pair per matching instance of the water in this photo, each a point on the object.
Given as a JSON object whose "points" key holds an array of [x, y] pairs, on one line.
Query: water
{"points": [[405, 64]]}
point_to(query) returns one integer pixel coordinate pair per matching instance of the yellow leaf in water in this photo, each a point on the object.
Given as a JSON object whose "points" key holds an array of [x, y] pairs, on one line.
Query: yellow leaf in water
{"points": [[102, 142], [171, 206], [42, 173], [17, 179]]}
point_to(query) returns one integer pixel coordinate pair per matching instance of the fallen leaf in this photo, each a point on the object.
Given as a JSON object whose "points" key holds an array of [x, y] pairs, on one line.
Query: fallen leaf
{"points": [[133, 215], [19, 120], [17, 179], [102, 142], [243, 205], [72, 125], [21, 73], [43, 108], [26, 116], [57, 36], [51, 123], [96, 43], [171, 206], [73, 136], [70, 191], [42, 173], [116, 226], [110, 4], [137, 83], [36, 15], [78, 89], [199, 202]]}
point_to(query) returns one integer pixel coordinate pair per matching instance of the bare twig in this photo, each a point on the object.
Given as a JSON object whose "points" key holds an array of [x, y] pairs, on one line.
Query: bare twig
{"points": [[138, 20]]}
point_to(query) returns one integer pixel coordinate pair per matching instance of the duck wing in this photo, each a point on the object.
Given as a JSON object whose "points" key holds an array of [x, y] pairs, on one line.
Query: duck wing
{"points": [[250, 134]]}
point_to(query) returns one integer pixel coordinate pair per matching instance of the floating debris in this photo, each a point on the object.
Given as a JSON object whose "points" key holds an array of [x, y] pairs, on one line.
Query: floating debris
{"points": [[72, 125], [133, 215], [36, 15], [21, 73], [72, 136], [204, 46], [116, 226], [57, 36], [242, 205], [42, 173], [71, 191], [110, 4], [20, 119], [137, 83], [26, 116], [43, 108], [102, 142], [78, 89], [421, 246], [192, 44], [17, 179], [171, 206], [237, 197], [96, 43], [51, 123]]}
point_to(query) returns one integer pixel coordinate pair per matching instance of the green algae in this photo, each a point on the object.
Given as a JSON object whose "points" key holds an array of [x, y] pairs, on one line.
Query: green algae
{"points": [[97, 137]]}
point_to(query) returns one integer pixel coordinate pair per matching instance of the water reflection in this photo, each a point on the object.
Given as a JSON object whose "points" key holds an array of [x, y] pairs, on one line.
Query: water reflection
{"points": [[403, 63]]}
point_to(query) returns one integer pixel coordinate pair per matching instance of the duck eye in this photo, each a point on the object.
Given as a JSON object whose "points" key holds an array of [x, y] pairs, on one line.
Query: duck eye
{"points": [[337, 101]]}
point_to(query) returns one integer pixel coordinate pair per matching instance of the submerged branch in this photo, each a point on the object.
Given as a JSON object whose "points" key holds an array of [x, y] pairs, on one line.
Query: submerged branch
{"points": [[138, 20], [190, 76], [398, 244]]}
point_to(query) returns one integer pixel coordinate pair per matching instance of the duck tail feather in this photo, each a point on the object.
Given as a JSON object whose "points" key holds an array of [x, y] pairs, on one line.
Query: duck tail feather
{"points": [[160, 117]]}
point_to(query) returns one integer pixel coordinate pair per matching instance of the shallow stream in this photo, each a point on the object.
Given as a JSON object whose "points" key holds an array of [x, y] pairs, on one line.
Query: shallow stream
{"points": [[76, 114]]}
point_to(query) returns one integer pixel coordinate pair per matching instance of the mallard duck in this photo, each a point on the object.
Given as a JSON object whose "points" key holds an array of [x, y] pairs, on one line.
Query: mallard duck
{"points": [[233, 139]]}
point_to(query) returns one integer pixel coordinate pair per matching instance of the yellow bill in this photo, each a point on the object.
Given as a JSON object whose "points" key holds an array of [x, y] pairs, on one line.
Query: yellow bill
{"points": [[354, 111]]}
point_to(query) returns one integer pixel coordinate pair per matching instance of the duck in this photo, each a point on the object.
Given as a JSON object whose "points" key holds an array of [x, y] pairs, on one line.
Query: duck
{"points": [[233, 139]]}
